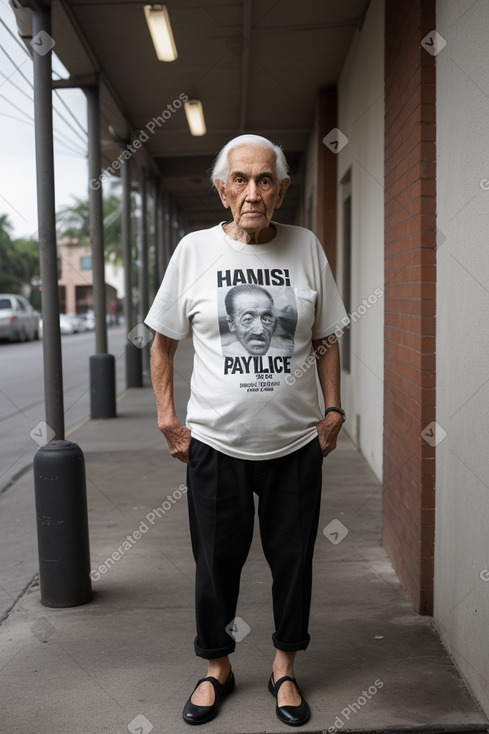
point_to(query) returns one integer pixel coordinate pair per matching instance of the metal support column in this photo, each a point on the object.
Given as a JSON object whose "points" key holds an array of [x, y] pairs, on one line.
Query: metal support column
{"points": [[126, 242], [143, 254], [102, 365], [96, 218], [134, 367], [59, 477], [166, 230], [144, 269], [46, 213], [158, 237], [172, 226]]}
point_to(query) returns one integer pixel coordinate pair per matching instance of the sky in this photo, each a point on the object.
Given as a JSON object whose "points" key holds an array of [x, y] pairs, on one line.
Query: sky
{"points": [[17, 150]]}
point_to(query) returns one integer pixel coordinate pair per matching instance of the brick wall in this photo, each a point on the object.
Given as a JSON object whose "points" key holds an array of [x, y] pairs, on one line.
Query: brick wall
{"points": [[410, 290]]}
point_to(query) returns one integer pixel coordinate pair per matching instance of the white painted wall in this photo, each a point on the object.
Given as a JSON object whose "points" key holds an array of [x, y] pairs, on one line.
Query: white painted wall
{"points": [[462, 469], [361, 119]]}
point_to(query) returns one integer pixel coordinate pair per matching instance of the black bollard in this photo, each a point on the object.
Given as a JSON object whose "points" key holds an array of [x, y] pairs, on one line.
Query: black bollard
{"points": [[134, 366], [62, 525], [102, 386]]}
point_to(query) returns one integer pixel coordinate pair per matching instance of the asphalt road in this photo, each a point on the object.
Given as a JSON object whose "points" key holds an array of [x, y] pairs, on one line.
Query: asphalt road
{"points": [[22, 393]]}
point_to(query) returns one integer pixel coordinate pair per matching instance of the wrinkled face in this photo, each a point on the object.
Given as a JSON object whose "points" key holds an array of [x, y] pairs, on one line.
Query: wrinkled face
{"points": [[251, 190], [253, 321]]}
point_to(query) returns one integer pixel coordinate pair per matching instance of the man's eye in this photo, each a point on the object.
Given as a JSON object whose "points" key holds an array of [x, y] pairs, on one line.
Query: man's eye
{"points": [[246, 320], [267, 320], [266, 181]]}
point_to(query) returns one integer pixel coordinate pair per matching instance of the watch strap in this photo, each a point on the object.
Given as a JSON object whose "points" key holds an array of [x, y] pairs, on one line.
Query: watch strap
{"points": [[334, 409]]}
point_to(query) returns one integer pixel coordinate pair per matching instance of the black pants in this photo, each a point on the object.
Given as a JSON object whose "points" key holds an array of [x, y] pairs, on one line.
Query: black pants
{"points": [[221, 512]]}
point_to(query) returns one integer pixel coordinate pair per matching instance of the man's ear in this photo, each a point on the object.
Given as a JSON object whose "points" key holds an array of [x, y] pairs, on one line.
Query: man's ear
{"points": [[284, 185], [231, 324], [221, 190]]}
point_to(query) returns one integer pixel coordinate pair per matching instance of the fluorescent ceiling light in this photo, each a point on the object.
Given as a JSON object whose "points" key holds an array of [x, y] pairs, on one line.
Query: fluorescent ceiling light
{"points": [[160, 28], [195, 116]]}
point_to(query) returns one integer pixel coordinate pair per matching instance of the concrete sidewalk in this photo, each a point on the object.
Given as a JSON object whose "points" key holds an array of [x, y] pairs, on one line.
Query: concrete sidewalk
{"points": [[125, 661]]}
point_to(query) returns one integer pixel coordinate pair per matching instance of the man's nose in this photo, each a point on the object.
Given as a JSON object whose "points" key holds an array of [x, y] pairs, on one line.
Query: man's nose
{"points": [[252, 193], [257, 327]]}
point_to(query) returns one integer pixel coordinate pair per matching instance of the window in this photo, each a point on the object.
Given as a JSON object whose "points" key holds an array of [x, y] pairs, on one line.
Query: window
{"points": [[86, 262]]}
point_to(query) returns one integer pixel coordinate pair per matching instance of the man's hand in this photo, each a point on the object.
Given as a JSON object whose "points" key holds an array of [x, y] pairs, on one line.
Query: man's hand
{"points": [[178, 440], [177, 436], [328, 430]]}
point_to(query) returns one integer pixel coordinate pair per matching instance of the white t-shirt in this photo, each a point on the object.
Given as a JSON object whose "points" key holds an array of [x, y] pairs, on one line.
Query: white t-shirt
{"points": [[253, 393]]}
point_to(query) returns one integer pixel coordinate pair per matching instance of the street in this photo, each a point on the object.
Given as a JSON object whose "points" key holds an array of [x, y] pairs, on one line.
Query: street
{"points": [[22, 392]]}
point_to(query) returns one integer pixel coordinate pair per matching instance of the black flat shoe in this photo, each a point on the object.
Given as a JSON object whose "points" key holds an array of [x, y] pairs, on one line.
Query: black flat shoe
{"points": [[193, 714], [291, 715]]}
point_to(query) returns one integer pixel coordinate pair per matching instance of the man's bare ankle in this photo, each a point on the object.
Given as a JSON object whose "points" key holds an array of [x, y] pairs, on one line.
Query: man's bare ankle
{"points": [[219, 670]]}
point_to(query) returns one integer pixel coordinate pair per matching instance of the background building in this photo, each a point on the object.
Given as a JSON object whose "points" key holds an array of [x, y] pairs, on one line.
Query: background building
{"points": [[76, 279]]}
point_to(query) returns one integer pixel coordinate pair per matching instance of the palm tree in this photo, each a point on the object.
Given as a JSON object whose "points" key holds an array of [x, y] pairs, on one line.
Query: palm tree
{"points": [[73, 222]]}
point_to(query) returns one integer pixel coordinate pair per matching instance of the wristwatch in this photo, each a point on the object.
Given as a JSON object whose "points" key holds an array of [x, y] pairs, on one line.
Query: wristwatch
{"points": [[336, 410]]}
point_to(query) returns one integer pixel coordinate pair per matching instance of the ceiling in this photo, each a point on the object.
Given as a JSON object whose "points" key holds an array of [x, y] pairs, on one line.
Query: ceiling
{"points": [[257, 66]]}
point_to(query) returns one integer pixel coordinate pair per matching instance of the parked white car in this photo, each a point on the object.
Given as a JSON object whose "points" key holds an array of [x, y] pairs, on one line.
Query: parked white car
{"points": [[18, 320], [77, 322], [89, 319], [65, 324]]}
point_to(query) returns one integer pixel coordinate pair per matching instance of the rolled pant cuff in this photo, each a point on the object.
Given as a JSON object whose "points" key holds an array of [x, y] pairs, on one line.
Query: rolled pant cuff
{"points": [[218, 652], [290, 646]]}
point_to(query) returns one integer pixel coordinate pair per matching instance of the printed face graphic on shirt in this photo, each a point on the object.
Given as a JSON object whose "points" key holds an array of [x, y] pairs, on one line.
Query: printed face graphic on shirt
{"points": [[251, 317], [257, 320]]}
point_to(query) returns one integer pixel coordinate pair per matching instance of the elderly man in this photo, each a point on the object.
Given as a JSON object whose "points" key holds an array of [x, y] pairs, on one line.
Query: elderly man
{"points": [[250, 428]]}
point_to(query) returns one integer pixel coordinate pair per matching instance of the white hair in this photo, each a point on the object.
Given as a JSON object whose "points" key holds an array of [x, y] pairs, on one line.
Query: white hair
{"points": [[220, 167]]}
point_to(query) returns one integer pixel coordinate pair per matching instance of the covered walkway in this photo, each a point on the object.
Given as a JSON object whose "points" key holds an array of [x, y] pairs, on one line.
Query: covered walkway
{"points": [[369, 100], [373, 663]]}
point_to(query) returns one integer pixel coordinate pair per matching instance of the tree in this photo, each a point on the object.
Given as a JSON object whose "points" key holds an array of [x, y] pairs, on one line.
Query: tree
{"points": [[19, 259], [73, 222], [113, 227]]}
